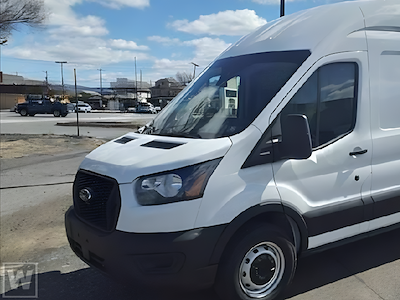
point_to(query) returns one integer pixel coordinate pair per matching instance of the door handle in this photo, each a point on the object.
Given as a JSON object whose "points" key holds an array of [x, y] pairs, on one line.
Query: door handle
{"points": [[358, 152]]}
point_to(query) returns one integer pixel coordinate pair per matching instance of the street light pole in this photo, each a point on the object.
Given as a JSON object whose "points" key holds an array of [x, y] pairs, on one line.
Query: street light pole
{"points": [[47, 84], [101, 89], [136, 93], [282, 8], [62, 77], [194, 69]]}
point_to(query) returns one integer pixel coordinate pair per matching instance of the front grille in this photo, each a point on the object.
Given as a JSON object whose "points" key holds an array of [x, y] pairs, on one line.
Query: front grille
{"points": [[101, 206]]}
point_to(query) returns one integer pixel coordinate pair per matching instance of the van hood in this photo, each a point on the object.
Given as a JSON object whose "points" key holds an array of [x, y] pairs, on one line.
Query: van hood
{"points": [[133, 155]]}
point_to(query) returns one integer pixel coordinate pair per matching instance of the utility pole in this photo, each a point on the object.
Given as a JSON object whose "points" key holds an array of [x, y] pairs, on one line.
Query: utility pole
{"points": [[76, 105], [47, 84], [194, 69], [135, 83], [62, 77], [282, 8], [101, 89]]}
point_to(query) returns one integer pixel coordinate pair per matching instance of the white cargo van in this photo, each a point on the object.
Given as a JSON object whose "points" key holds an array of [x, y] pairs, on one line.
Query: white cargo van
{"points": [[287, 143]]}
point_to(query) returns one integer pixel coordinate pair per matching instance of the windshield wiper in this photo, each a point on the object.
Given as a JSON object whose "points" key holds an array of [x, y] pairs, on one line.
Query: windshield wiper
{"points": [[182, 134], [148, 129]]}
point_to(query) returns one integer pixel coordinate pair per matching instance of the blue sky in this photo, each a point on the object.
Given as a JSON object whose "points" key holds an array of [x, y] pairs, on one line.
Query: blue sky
{"points": [[165, 36]]}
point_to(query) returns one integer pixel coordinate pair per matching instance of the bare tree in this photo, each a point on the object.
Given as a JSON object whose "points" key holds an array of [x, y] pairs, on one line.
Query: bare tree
{"points": [[183, 78], [15, 12]]}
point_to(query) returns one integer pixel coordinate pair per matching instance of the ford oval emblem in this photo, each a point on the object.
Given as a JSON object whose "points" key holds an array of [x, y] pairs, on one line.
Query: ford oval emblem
{"points": [[85, 195]]}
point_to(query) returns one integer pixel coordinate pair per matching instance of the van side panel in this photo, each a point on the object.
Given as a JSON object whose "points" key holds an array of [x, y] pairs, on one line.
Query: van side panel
{"points": [[330, 188], [384, 51]]}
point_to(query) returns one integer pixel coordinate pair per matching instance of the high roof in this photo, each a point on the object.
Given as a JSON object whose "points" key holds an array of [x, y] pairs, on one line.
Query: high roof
{"points": [[323, 30]]}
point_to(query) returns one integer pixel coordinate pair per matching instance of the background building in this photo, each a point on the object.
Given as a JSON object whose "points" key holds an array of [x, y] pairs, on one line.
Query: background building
{"points": [[13, 89], [127, 93], [164, 91]]}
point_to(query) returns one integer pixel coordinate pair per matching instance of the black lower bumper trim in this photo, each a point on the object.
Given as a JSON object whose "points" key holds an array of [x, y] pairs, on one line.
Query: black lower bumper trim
{"points": [[169, 260]]}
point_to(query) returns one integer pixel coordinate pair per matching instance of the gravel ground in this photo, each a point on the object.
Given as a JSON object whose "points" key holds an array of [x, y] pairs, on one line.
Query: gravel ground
{"points": [[32, 217], [22, 145]]}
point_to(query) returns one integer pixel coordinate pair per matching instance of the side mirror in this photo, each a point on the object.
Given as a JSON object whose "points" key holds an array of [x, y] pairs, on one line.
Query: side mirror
{"points": [[296, 137]]}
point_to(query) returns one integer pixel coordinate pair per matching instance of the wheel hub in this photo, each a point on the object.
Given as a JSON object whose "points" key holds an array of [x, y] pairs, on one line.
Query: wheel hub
{"points": [[261, 269]]}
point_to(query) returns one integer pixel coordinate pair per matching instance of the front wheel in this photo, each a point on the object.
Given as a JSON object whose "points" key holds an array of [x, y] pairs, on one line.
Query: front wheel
{"points": [[23, 112], [56, 113], [258, 264]]}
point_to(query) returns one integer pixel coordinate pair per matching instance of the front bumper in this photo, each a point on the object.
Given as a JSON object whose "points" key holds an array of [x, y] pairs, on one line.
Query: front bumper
{"points": [[169, 260]]}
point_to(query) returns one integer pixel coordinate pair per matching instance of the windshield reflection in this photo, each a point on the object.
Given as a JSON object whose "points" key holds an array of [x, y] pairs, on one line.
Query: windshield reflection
{"points": [[228, 96]]}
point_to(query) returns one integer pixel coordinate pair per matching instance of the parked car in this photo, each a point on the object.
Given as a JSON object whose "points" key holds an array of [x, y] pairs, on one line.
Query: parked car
{"points": [[287, 144], [146, 108], [71, 107], [84, 107], [34, 106]]}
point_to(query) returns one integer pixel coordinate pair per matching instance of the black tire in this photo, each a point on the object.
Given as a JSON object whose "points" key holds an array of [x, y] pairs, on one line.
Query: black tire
{"points": [[257, 264], [56, 113], [23, 112]]}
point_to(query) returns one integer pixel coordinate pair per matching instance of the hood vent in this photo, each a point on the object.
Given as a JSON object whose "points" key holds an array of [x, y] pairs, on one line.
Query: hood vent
{"points": [[161, 145], [124, 140]]}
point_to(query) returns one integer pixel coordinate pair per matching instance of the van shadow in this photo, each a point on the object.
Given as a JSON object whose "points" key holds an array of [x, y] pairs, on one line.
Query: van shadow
{"points": [[326, 267], [313, 271]]}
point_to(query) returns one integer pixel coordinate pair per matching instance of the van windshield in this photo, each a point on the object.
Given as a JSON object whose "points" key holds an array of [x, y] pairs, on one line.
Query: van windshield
{"points": [[227, 96]]}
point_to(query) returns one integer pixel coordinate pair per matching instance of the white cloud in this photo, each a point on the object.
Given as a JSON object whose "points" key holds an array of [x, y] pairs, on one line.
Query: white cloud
{"points": [[269, 2], [77, 39], [164, 40], [167, 64], [63, 21], [118, 4], [205, 51], [90, 52], [238, 22], [277, 2], [128, 45], [87, 26]]}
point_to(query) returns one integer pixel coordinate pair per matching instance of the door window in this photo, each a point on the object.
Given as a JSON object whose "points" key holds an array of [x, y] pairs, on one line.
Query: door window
{"points": [[328, 99]]}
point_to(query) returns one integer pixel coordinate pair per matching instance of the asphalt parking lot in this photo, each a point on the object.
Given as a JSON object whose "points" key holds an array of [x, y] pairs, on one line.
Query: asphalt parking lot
{"points": [[36, 191], [47, 124]]}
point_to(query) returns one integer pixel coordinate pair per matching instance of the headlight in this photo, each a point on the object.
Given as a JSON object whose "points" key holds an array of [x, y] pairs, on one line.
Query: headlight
{"points": [[178, 185]]}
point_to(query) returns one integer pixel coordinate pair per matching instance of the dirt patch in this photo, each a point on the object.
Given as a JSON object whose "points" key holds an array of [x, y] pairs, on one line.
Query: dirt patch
{"points": [[34, 230], [20, 145], [133, 125]]}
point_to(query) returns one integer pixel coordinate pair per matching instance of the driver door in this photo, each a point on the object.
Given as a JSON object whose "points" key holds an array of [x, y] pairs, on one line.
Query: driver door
{"points": [[331, 189]]}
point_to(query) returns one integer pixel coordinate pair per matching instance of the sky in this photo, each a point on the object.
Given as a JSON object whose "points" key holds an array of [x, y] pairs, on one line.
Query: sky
{"points": [[163, 37]]}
